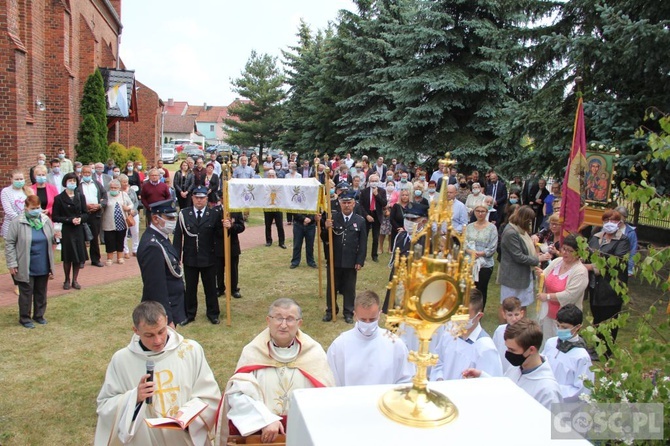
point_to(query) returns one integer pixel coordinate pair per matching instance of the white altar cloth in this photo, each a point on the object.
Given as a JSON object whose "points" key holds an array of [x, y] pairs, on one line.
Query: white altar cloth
{"points": [[492, 411]]}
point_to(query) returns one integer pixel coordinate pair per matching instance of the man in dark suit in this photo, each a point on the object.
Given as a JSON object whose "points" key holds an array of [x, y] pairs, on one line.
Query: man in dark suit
{"points": [[349, 250], [194, 240], [530, 189], [379, 168], [159, 262], [96, 201], [498, 191], [235, 225], [373, 202]]}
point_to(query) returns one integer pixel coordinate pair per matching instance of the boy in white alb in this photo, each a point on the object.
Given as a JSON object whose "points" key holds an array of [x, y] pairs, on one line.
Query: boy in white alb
{"points": [[368, 354], [567, 354], [529, 370], [474, 349], [512, 312]]}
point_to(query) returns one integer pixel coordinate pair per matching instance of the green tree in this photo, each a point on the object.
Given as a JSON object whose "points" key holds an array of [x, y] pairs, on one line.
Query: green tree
{"points": [[311, 108], [92, 134], [257, 123], [616, 48]]}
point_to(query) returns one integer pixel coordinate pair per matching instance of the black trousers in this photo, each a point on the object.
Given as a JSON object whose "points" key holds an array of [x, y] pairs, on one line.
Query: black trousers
{"points": [[191, 277], [95, 223], [33, 294], [483, 284], [375, 225], [345, 284], [275, 217], [602, 313], [221, 273]]}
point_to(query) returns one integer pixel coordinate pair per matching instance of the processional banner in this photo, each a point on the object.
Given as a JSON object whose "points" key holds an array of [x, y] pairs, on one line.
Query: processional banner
{"points": [[279, 194]]}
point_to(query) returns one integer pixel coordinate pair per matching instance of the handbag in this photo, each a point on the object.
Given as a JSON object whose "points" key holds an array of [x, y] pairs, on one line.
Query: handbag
{"points": [[88, 234], [130, 220]]}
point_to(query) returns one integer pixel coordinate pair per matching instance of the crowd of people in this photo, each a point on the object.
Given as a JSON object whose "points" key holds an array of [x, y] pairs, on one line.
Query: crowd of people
{"points": [[75, 207]]}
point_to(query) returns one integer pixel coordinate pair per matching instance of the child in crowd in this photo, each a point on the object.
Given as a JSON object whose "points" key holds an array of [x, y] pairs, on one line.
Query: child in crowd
{"points": [[567, 354], [512, 312], [529, 370], [474, 348]]}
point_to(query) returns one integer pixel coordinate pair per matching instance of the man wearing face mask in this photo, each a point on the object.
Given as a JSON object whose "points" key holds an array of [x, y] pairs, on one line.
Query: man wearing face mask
{"points": [[530, 370], [368, 354], [96, 201], [154, 191], [472, 349], [55, 177], [373, 201], [159, 262], [567, 354], [66, 165]]}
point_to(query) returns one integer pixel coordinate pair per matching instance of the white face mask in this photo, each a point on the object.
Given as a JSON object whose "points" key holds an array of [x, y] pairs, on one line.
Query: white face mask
{"points": [[367, 328], [409, 225], [610, 227], [169, 226], [476, 191]]}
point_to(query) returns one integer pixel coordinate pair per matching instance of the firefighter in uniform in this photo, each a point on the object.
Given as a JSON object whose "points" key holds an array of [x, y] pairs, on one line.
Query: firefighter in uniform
{"points": [[159, 262], [349, 250]]}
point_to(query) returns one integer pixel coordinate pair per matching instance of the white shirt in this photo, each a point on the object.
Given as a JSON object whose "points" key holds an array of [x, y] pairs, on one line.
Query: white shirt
{"points": [[567, 368], [90, 191], [540, 383], [476, 351], [382, 358]]}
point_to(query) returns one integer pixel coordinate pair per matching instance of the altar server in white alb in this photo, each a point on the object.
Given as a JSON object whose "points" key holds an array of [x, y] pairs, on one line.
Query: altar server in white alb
{"points": [[567, 354], [368, 354], [529, 370], [181, 378], [473, 349]]}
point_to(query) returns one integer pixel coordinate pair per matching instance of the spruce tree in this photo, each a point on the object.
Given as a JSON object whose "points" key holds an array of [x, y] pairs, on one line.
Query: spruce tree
{"points": [[92, 134]]}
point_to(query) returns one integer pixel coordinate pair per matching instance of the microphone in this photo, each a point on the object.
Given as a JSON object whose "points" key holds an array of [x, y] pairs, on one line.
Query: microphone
{"points": [[150, 372]]}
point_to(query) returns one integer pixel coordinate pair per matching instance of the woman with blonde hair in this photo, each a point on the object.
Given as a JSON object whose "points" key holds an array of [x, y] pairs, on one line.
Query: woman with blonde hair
{"points": [[46, 192]]}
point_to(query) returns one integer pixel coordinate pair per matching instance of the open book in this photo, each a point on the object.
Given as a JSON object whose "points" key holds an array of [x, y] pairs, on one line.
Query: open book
{"points": [[184, 417]]}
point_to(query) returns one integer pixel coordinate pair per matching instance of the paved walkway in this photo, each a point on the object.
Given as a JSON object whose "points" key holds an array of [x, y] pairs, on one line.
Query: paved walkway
{"points": [[92, 276]]}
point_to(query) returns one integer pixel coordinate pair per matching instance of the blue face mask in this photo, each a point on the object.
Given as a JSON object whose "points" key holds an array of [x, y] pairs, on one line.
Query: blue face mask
{"points": [[87, 178], [564, 334], [513, 201], [417, 193], [34, 213], [332, 191], [18, 184], [71, 186]]}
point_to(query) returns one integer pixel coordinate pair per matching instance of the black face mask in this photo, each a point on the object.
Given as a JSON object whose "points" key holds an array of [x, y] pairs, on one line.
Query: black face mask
{"points": [[516, 359], [464, 184]]}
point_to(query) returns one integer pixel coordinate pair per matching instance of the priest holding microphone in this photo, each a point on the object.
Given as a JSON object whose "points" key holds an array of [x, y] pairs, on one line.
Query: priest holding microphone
{"points": [[181, 377]]}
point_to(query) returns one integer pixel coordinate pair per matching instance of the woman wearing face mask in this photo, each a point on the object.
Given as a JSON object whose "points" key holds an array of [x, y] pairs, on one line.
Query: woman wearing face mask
{"points": [[30, 259], [13, 199], [565, 280], [463, 191], [356, 187], [134, 178], [46, 192], [418, 194], [610, 242], [481, 241], [519, 257], [114, 221], [475, 199], [70, 210], [135, 229]]}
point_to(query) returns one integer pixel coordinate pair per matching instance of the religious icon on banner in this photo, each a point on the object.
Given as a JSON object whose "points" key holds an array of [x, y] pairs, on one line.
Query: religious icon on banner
{"points": [[598, 177]]}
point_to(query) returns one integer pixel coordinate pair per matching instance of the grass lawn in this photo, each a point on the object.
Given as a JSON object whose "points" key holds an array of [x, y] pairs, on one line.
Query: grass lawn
{"points": [[50, 376]]}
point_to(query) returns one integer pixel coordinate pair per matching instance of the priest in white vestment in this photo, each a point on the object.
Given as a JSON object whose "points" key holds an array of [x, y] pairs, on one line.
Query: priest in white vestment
{"points": [[473, 349], [182, 377], [368, 354], [279, 360]]}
